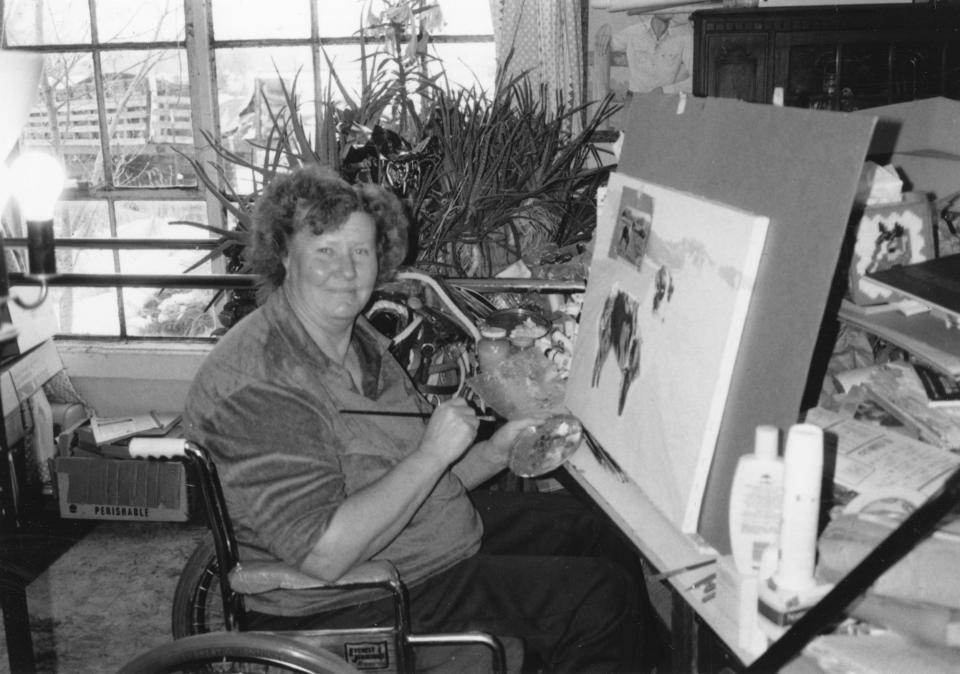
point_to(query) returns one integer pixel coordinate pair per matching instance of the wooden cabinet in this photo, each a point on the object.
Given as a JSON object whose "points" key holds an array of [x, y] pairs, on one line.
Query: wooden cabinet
{"points": [[843, 57]]}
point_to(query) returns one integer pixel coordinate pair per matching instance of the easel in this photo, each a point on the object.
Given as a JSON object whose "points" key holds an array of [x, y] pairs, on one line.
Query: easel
{"points": [[799, 168]]}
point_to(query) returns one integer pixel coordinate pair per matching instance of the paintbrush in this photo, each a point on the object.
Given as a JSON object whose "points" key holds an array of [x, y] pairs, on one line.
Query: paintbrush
{"points": [[418, 415]]}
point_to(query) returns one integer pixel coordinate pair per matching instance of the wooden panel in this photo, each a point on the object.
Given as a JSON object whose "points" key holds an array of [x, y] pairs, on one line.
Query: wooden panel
{"points": [[738, 67], [828, 57]]}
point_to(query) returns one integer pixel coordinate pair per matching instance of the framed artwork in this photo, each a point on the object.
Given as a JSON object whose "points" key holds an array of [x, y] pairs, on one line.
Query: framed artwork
{"points": [[631, 53], [889, 235], [670, 283]]}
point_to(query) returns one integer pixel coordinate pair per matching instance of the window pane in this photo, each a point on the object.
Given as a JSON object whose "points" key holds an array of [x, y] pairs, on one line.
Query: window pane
{"points": [[241, 71], [245, 115], [340, 18], [152, 220], [465, 18], [36, 22], [169, 312], [256, 19], [81, 220], [469, 65], [347, 68], [164, 312], [139, 20], [444, 17], [148, 115], [86, 311], [64, 119]]}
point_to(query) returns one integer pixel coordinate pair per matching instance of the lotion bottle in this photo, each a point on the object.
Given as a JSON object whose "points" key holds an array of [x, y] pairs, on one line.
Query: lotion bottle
{"points": [[803, 458], [756, 501]]}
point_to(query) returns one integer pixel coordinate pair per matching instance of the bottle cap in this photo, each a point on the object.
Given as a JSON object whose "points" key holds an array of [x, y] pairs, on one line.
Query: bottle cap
{"points": [[766, 444], [804, 451]]}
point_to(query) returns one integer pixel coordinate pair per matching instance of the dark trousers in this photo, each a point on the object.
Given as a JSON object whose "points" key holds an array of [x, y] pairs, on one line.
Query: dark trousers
{"points": [[549, 571]]}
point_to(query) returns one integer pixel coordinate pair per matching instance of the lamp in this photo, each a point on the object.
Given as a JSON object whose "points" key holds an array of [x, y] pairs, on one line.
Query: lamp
{"points": [[36, 180]]}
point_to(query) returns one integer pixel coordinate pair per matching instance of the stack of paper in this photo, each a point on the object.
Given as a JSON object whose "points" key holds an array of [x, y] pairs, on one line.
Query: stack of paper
{"points": [[111, 429]]}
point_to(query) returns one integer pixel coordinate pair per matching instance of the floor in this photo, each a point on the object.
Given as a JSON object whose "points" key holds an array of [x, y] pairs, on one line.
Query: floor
{"points": [[105, 598], [100, 592]]}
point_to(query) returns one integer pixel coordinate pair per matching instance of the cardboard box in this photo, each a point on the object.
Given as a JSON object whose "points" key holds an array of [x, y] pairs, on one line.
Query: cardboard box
{"points": [[117, 489], [922, 140], [33, 326], [22, 378]]}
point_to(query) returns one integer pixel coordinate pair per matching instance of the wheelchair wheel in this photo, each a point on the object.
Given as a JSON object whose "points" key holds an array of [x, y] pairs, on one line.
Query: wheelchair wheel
{"points": [[246, 652], [197, 606]]}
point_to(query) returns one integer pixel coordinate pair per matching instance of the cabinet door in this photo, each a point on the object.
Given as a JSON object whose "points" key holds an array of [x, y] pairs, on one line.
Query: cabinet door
{"points": [[737, 66], [843, 71]]}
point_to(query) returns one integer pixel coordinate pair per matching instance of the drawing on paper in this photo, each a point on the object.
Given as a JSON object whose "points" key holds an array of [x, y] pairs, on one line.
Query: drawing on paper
{"points": [[659, 334], [633, 227], [618, 332], [889, 236]]}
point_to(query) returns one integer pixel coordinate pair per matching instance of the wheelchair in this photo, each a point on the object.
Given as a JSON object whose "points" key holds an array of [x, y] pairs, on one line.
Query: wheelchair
{"points": [[208, 618]]}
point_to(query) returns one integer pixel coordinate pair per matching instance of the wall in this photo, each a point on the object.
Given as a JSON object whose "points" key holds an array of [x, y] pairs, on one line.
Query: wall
{"points": [[126, 378]]}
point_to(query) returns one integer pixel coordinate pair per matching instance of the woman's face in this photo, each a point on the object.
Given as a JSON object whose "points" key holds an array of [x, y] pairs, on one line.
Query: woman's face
{"points": [[334, 272]]}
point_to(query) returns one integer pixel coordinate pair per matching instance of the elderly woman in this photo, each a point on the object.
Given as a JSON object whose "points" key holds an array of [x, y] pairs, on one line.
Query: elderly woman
{"points": [[325, 491]]}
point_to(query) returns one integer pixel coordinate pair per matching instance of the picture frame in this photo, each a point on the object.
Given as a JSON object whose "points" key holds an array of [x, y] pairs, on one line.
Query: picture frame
{"points": [[889, 235]]}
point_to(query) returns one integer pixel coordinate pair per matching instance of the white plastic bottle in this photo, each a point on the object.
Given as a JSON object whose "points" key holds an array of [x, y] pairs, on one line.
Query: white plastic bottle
{"points": [[756, 501], [803, 460]]}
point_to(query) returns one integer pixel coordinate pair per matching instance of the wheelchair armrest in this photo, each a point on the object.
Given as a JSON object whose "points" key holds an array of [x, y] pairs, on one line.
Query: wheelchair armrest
{"points": [[262, 576]]}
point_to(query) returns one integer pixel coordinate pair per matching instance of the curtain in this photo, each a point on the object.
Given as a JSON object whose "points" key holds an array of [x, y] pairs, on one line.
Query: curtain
{"points": [[547, 40]]}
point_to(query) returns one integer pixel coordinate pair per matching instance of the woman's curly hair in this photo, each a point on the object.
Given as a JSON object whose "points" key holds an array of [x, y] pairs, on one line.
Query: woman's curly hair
{"points": [[317, 198]]}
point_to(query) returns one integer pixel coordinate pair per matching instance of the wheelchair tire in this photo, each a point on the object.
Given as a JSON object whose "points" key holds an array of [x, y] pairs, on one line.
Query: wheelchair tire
{"points": [[236, 652], [197, 606]]}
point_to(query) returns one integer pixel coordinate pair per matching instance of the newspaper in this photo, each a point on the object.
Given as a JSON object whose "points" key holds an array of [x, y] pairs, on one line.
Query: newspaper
{"points": [[872, 458]]}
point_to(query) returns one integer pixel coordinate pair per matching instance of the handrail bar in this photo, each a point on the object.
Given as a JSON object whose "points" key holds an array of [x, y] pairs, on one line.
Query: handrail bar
{"points": [[242, 281]]}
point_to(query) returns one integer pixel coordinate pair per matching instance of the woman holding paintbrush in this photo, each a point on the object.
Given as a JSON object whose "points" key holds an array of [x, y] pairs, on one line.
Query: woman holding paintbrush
{"points": [[329, 456]]}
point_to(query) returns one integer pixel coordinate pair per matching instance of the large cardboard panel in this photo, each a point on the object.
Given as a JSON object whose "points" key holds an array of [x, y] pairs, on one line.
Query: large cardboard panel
{"points": [[922, 140], [798, 167]]}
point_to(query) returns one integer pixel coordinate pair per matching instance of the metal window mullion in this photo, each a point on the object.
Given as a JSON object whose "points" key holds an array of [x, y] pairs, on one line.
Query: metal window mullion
{"points": [[201, 66], [318, 108], [107, 161], [112, 218]]}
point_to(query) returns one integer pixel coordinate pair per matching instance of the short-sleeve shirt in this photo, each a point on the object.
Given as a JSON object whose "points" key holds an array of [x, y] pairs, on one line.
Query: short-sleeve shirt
{"points": [[265, 403]]}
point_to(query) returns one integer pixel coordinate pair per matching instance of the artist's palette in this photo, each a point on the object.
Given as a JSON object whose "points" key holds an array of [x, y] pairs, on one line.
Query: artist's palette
{"points": [[542, 448]]}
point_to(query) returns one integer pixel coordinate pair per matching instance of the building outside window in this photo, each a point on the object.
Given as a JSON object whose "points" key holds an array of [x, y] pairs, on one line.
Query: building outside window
{"points": [[131, 86]]}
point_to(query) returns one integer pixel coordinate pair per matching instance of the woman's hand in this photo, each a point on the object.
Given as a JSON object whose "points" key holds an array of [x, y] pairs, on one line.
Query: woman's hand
{"points": [[451, 429]]}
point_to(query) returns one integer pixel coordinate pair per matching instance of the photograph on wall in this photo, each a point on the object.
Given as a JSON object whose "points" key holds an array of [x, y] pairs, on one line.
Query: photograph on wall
{"points": [[630, 54], [629, 241], [659, 336]]}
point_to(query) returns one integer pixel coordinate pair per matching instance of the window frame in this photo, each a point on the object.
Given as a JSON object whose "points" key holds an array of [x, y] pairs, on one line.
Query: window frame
{"points": [[199, 46]]}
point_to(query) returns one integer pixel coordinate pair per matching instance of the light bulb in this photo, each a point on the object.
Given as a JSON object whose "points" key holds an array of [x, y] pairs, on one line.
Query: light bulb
{"points": [[36, 180]]}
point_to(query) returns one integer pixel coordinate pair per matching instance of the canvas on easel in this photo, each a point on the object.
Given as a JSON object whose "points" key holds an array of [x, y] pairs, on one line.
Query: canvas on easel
{"points": [[670, 284]]}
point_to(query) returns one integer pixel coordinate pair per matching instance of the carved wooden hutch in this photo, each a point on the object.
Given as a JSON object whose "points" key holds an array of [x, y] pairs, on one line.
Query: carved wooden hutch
{"points": [[837, 57]]}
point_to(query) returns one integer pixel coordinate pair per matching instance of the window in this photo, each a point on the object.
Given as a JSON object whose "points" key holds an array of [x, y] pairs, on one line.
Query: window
{"points": [[128, 91]]}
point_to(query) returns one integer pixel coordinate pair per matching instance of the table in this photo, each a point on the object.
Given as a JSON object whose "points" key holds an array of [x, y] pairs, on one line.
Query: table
{"points": [[664, 547]]}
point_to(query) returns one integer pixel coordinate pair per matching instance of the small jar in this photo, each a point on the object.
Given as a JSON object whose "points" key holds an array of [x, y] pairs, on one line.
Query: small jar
{"points": [[492, 348]]}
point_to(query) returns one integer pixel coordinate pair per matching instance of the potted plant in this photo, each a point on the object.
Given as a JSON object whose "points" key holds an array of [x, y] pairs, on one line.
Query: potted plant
{"points": [[485, 177], [504, 175]]}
